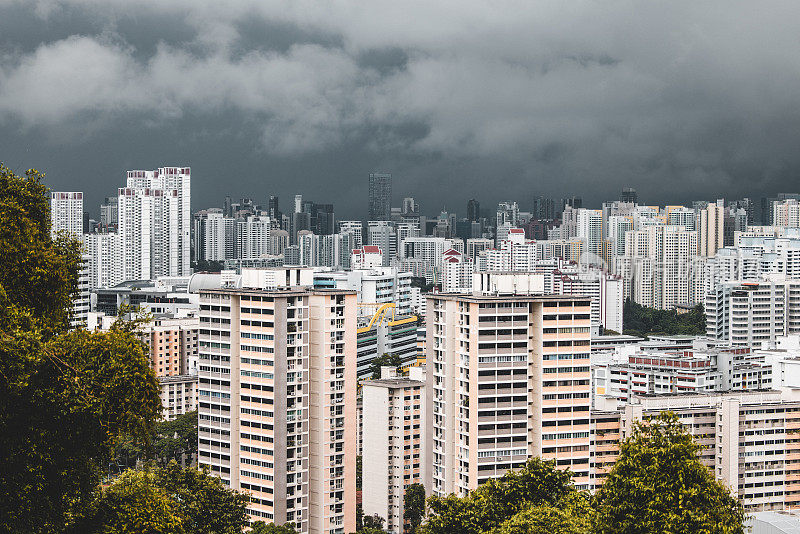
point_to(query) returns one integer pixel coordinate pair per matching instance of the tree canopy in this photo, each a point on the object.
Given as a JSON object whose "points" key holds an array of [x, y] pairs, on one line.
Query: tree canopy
{"points": [[168, 500], [658, 484], [642, 321], [66, 396], [414, 505], [498, 501]]}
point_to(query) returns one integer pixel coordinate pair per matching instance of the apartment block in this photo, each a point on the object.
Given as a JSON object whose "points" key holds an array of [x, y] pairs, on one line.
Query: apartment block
{"points": [[751, 313], [277, 402], [66, 213], [750, 441], [507, 378], [393, 426]]}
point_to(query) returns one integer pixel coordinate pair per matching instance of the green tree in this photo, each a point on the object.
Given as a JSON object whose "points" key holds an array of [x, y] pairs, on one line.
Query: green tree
{"points": [[414, 505], [259, 527], [134, 503], [168, 499], [571, 515], [643, 321], [659, 485], [66, 397], [176, 439], [207, 505], [372, 522], [497, 501]]}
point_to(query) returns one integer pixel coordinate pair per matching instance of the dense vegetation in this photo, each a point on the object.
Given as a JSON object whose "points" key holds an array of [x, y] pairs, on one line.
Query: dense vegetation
{"points": [[643, 321], [70, 398], [657, 485]]}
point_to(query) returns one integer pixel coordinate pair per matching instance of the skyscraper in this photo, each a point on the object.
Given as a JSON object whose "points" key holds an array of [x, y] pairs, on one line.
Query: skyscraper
{"points": [[473, 210], [629, 195], [277, 402], [508, 378], [155, 221], [66, 213], [380, 196]]}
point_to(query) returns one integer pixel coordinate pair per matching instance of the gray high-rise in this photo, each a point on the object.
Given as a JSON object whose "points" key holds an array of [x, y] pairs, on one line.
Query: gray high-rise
{"points": [[380, 196]]}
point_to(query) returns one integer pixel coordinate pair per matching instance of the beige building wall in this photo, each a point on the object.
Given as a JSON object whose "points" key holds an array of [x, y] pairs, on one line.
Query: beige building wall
{"points": [[277, 402]]}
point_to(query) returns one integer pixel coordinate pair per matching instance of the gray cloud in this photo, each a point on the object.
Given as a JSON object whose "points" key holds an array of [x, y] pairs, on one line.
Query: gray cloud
{"points": [[505, 99]]}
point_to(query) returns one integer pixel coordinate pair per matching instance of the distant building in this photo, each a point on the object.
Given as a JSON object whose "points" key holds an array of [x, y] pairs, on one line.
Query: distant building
{"points": [[380, 196], [66, 213]]}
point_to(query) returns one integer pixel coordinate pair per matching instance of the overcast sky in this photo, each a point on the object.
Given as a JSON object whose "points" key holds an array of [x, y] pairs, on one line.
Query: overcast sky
{"points": [[494, 100]]}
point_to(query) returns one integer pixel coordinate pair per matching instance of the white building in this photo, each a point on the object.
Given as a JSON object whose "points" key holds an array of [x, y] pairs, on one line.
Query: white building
{"points": [[393, 434], [66, 213], [155, 223], [749, 313]]}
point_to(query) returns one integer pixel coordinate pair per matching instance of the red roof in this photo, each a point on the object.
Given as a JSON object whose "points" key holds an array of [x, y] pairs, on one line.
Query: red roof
{"points": [[372, 249]]}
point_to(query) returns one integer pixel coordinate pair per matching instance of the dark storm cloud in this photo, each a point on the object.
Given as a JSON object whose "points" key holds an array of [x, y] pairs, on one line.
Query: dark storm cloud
{"points": [[496, 100]]}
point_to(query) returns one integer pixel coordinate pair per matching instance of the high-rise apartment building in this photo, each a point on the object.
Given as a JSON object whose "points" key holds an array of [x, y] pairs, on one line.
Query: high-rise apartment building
{"points": [[380, 196], [66, 213], [155, 221], [277, 402], [507, 379], [393, 426], [748, 440], [712, 229]]}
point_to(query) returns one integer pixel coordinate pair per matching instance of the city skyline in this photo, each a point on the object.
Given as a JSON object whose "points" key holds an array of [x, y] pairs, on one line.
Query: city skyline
{"points": [[678, 103]]}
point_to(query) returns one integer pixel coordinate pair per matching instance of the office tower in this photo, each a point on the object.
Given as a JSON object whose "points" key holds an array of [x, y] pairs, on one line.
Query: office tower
{"points": [[273, 210], [393, 426], [712, 220], [380, 196], [154, 222], [277, 410], [323, 219], [629, 195], [473, 210], [507, 379], [572, 202], [298, 203], [543, 209], [66, 213], [300, 221]]}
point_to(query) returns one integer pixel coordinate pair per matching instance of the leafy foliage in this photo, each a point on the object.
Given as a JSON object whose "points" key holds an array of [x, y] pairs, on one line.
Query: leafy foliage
{"points": [[659, 485], [165, 500], [641, 321], [571, 515], [259, 527], [176, 439], [65, 396], [499, 500], [414, 505]]}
